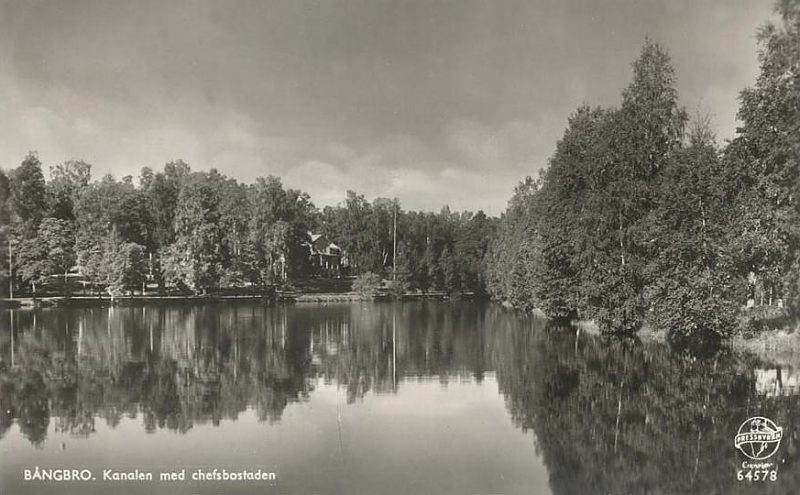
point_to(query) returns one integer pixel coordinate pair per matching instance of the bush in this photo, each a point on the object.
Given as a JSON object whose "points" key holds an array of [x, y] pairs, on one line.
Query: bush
{"points": [[398, 288], [759, 319], [696, 310], [367, 284]]}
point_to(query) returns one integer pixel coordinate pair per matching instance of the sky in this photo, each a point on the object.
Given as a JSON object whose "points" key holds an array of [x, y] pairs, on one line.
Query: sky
{"points": [[433, 102]]}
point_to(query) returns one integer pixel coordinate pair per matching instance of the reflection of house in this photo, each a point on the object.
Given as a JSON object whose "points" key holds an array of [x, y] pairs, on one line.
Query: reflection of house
{"points": [[778, 381], [326, 257], [328, 339]]}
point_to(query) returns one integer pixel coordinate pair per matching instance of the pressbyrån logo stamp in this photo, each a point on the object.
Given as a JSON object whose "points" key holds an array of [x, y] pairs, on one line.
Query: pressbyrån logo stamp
{"points": [[758, 438]]}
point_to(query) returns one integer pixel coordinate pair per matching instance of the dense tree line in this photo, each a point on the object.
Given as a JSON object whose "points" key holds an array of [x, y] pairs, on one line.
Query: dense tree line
{"points": [[197, 231], [179, 228], [443, 251], [642, 216]]}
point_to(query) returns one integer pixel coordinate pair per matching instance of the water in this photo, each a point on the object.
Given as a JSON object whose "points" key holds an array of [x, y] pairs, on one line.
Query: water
{"points": [[368, 398]]}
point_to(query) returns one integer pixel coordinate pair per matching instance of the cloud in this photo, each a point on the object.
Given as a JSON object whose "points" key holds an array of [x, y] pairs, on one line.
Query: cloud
{"points": [[517, 145], [225, 139], [435, 103], [474, 167]]}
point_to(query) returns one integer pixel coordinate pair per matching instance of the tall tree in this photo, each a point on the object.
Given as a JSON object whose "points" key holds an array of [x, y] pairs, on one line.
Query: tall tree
{"points": [[638, 140], [110, 205], [68, 180], [161, 192], [197, 227], [6, 232], [509, 260], [29, 193], [470, 249], [694, 292], [115, 265], [50, 252], [235, 214], [765, 156], [350, 224], [279, 221], [570, 266]]}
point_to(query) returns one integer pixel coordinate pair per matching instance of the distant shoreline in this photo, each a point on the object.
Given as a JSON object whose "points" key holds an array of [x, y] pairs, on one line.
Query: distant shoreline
{"points": [[782, 344], [294, 297]]}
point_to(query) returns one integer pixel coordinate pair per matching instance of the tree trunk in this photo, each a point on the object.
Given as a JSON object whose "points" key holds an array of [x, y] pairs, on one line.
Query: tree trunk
{"points": [[621, 243], [697, 455], [703, 215], [619, 413]]}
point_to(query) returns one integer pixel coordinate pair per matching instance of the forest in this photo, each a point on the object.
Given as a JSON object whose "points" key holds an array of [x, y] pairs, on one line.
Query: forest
{"points": [[199, 231], [640, 217]]}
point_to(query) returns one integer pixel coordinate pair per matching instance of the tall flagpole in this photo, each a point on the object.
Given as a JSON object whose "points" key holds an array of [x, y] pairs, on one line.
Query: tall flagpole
{"points": [[10, 272], [394, 244], [394, 350]]}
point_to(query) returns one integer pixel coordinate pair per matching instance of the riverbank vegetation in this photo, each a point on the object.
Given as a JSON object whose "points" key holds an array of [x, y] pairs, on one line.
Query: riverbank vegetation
{"points": [[642, 216]]}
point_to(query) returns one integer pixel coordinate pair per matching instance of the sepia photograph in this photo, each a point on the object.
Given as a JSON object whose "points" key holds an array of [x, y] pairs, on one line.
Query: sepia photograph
{"points": [[400, 247]]}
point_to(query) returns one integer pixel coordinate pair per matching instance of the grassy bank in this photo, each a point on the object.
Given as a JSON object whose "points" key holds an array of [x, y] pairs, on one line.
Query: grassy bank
{"points": [[325, 297], [293, 295], [772, 345], [769, 334]]}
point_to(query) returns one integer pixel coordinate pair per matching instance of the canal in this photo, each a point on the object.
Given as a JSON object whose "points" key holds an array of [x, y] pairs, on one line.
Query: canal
{"points": [[367, 398]]}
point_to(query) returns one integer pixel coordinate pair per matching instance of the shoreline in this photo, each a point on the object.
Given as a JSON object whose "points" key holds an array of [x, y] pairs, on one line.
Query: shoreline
{"points": [[291, 297], [780, 345], [51, 301]]}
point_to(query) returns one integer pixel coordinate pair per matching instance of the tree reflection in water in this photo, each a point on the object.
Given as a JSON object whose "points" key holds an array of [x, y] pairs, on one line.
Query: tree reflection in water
{"points": [[612, 416], [607, 416], [174, 367]]}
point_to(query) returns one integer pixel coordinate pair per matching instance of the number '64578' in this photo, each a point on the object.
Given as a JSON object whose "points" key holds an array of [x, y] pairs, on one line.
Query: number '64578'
{"points": [[756, 475]]}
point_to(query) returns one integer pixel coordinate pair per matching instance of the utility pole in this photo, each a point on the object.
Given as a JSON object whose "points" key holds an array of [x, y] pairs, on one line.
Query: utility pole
{"points": [[394, 350], [394, 244], [10, 272]]}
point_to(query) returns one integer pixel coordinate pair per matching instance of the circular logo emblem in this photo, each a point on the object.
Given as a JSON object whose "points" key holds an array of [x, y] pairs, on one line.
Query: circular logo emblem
{"points": [[758, 438]]}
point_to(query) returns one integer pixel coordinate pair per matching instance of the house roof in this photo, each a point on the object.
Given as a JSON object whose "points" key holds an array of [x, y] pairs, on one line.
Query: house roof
{"points": [[328, 243]]}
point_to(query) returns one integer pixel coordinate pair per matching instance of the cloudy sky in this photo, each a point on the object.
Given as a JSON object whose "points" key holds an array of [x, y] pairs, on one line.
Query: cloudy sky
{"points": [[434, 102]]}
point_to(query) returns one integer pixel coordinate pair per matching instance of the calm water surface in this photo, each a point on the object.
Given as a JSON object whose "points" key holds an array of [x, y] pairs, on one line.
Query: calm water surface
{"points": [[375, 398]]}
